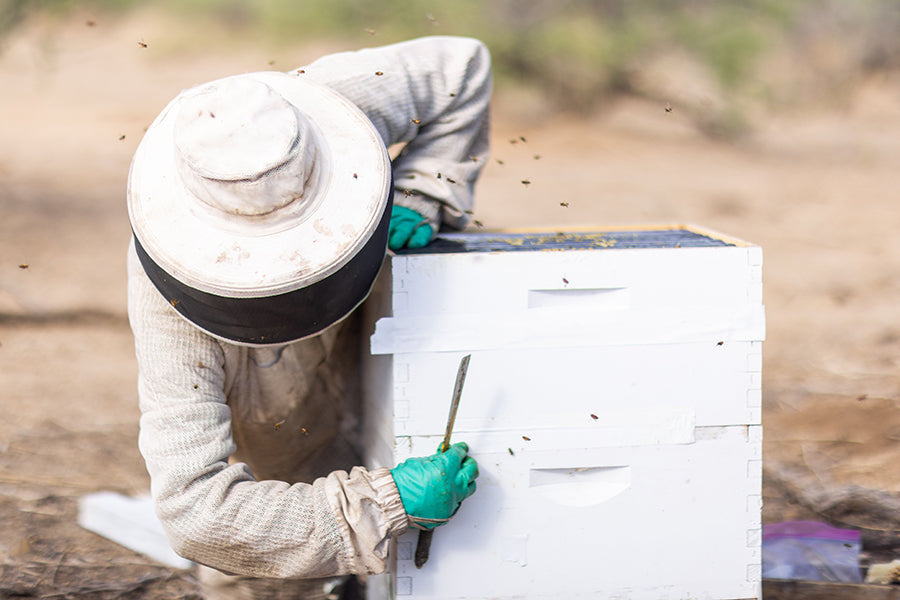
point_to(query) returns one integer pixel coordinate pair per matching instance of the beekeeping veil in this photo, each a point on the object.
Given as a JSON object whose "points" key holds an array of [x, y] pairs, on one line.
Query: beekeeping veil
{"points": [[260, 206]]}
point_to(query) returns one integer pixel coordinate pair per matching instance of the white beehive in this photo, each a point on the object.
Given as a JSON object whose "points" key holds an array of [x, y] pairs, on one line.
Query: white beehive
{"points": [[613, 404]]}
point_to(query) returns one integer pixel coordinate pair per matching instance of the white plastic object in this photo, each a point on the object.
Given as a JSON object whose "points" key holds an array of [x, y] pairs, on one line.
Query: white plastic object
{"points": [[129, 522]]}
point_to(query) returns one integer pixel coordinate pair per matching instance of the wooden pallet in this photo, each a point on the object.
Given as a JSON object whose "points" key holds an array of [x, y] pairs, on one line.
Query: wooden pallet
{"points": [[788, 589]]}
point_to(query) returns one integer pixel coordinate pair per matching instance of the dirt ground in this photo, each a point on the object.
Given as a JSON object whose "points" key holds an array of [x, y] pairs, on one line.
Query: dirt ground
{"points": [[817, 189]]}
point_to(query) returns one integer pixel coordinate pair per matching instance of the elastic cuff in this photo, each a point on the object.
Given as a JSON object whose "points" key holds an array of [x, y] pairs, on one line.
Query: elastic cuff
{"points": [[425, 206], [389, 497]]}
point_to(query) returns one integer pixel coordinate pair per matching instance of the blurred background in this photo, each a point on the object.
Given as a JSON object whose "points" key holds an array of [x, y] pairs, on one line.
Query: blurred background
{"points": [[775, 121]]}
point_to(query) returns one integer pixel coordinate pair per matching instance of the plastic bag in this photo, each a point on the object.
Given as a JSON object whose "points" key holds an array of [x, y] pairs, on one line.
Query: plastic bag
{"points": [[810, 550]]}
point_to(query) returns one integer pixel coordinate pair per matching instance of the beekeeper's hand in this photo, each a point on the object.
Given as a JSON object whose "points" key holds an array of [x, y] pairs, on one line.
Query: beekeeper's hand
{"points": [[408, 229], [433, 487]]}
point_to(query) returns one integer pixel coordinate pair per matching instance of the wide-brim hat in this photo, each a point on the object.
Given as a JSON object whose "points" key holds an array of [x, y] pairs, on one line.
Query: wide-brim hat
{"points": [[260, 206]]}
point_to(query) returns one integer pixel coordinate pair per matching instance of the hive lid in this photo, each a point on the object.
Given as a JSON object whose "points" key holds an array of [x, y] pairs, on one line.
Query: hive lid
{"points": [[674, 236]]}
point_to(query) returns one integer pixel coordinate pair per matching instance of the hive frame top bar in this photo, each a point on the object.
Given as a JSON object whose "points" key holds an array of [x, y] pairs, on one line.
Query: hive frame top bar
{"points": [[583, 238]]}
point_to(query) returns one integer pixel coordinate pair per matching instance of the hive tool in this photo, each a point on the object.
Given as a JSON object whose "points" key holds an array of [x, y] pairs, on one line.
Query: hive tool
{"points": [[423, 544]]}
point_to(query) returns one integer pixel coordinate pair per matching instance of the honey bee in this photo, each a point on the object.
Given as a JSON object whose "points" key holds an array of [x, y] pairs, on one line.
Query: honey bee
{"points": [[566, 281], [720, 343], [594, 417], [121, 137], [355, 176], [304, 431], [668, 108], [279, 424], [473, 158], [526, 182], [564, 204], [379, 73], [142, 44], [173, 302], [23, 266], [196, 386], [300, 71], [526, 438], [438, 175], [200, 364], [416, 121]]}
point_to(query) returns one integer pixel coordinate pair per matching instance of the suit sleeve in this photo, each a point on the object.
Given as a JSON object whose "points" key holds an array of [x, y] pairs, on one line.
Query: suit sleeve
{"points": [[431, 94], [216, 513]]}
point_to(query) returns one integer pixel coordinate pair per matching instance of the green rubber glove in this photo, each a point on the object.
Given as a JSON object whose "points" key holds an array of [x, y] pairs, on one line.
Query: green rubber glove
{"points": [[408, 229], [433, 487]]}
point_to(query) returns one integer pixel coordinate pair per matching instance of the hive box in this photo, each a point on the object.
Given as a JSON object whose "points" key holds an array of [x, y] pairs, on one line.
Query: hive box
{"points": [[612, 402]]}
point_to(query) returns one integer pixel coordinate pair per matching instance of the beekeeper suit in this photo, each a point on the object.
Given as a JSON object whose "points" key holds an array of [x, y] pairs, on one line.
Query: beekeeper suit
{"points": [[261, 206]]}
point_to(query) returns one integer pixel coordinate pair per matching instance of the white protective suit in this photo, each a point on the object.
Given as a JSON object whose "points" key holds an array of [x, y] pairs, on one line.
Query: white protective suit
{"points": [[248, 449]]}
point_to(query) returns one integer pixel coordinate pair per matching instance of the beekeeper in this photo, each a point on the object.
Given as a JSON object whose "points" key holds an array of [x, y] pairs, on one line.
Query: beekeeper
{"points": [[261, 206]]}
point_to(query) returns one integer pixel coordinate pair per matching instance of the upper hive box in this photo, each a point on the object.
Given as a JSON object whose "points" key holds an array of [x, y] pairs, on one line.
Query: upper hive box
{"points": [[612, 402]]}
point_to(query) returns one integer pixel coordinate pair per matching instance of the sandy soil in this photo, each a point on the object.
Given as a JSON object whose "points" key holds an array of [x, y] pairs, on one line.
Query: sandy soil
{"points": [[816, 189]]}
